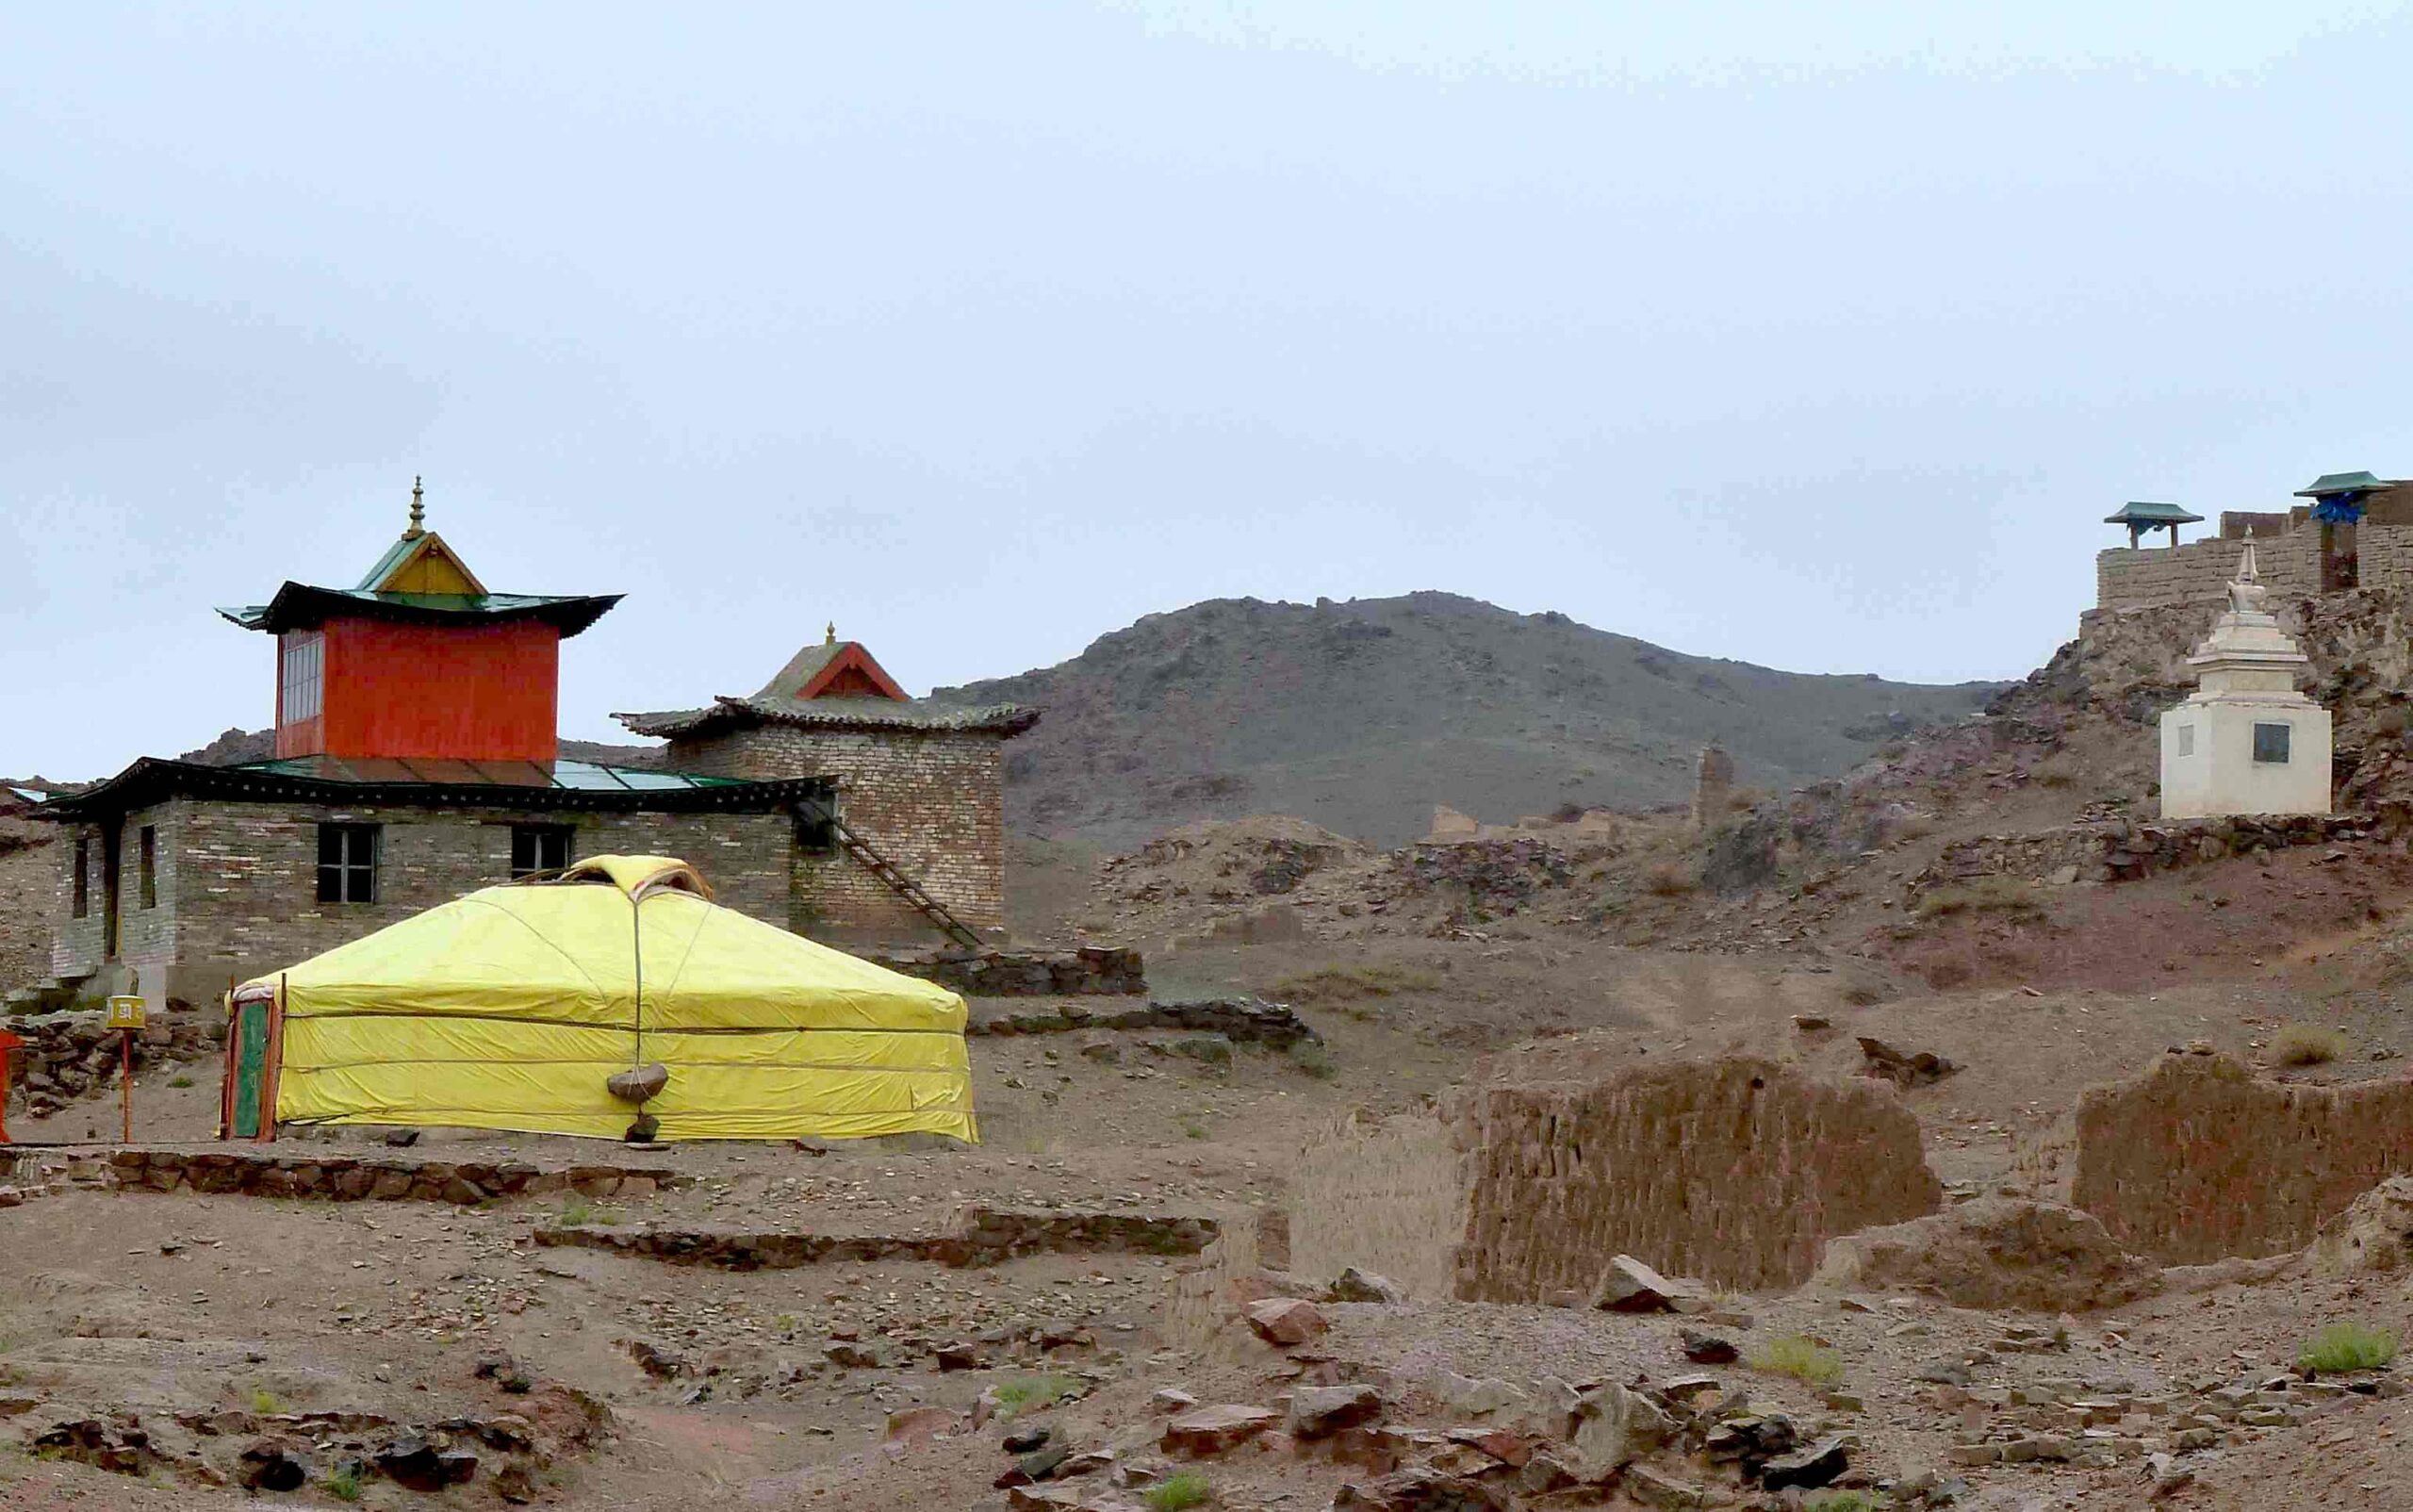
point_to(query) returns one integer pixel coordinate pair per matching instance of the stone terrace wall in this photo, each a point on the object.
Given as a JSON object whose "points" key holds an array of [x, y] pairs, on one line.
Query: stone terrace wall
{"points": [[66, 1055], [2197, 1160], [1090, 970], [2197, 572], [254, 1172], [2120, 850], [1734, 1171]]}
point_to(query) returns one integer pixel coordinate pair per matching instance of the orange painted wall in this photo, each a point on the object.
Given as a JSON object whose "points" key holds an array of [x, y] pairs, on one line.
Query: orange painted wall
{"points": [[473, 692]]}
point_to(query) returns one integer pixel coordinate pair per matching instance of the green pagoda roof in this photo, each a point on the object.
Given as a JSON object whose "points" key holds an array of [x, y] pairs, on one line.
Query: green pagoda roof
{"points": [[2142, 512], [299, 607], [2340, 482]]}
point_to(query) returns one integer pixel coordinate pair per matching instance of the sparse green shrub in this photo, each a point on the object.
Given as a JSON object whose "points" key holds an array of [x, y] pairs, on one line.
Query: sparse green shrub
{"points": [[267, 1403], [1022, 1392], [608, 1216], [1842, 1501], [2307, 1044], [1178, 1492], [576, 1208], [2345, 1346], [1192, 1129], [1800, 1356], [343, 1483], [1212, 1048], [179, 1081], [1312, 1058]]}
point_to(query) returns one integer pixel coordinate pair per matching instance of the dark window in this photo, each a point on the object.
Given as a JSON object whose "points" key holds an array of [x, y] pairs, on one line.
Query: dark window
{"points": [[83, 905], [2270, 743], [347, 863], [150, 866], [538, 847], [816, 829]]}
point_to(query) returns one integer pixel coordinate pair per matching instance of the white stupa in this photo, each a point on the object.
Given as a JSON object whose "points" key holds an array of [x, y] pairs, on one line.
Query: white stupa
{"points": [[2246, 741]]}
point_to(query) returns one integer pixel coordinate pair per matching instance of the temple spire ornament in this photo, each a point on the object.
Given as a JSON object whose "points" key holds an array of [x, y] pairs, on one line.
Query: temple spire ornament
{"points": [[418, 511]]}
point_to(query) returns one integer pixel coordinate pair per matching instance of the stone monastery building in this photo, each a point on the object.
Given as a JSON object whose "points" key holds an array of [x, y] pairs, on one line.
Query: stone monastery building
{"points": [[417, 759]]}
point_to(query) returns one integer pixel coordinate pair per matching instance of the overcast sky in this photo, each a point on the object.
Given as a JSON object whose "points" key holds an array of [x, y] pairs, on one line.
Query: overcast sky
{"points": [[1815, 336]]}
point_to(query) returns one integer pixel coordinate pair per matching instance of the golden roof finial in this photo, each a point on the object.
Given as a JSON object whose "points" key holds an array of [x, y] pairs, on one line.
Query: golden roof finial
{"points": [[419, 512], [830, 636]]}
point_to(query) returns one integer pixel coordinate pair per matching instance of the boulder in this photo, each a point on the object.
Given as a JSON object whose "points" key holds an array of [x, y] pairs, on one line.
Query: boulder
{"points": [[270, 1465], [2374, 1235], [1709, 1349], [1321, 1411], [1286, 1320], [1629, 1286], [1912, 1068], [1216, 1430], [1354, 1285], [1996, 1252], [1819, 1465], [1611, 1427]]}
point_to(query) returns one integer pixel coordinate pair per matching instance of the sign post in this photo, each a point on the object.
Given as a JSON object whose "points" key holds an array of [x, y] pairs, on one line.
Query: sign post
{"points": [[125, 1017]]}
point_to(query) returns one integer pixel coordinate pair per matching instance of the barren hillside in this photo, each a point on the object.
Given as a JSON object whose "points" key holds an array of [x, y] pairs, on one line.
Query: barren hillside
{"points": [[1360, 717]]}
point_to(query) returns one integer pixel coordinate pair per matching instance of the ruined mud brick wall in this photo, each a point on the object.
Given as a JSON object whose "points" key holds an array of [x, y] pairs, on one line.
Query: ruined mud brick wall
{"points": [[2119, 850], [238, 882], [2197, 1160], [2198, 572], [1090, 970], [933, 802], [1240, 1020], [1733, 1170]]}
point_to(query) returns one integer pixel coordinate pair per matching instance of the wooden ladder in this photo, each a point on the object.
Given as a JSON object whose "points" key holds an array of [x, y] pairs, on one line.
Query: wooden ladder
{"points": [[905, 887]]}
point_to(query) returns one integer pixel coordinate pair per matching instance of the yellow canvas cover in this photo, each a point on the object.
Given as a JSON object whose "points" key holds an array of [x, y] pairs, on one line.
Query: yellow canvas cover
{"points": [[509, 1009]]}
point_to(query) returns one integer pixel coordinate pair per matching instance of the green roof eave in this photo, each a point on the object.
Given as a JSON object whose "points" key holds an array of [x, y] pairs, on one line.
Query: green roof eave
{"points": [[2340, 482], [299, 607], [2145, 511]]}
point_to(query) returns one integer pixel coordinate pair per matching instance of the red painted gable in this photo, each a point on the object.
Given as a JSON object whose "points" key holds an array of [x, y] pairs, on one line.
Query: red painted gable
{"points": [[851, 673]]}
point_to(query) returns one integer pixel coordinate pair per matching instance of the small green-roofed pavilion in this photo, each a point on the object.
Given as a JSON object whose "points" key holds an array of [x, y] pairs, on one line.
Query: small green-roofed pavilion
{"points": [[2342, 483], [2141, 516]]}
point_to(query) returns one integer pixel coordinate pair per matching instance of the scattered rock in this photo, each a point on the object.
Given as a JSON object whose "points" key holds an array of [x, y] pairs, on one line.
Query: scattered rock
{"points": [[1609, 1428], [1915, 1069], [1811, 1467], [1286, 1320], [1172, 1399], [2374, 1235], [1023, 1441], [270, 1465], [1995, 1252], [1216, 1430], [1321, 1411], [1354, 1285], [1629, 1286], [1709, 1349]]}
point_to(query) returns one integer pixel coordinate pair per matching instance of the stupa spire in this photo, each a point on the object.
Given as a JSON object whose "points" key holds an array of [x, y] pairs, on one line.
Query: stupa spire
{"points": [[418, 511]]}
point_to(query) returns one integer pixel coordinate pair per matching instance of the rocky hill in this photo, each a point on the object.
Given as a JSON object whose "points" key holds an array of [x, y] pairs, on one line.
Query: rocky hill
{"points": [[1360, 717]]}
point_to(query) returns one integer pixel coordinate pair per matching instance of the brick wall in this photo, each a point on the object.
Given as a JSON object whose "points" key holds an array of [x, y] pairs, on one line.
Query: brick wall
{"points": [[238, 882], [2198, 571], [933, 802]]}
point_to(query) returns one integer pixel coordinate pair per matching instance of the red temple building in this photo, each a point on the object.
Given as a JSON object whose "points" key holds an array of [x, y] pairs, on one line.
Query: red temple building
{"points": [[417, 757]]}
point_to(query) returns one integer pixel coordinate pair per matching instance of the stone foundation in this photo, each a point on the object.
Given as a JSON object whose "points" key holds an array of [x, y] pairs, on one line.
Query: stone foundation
{"points": [[1240, 1020], [341, 1178], [1734, 1172], [68, 1055], [2198, 1160], [1092, 971], [2122, 850], [981, 1236]]}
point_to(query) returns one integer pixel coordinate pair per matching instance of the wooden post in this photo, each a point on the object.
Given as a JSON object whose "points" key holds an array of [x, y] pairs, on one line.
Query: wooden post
{"points": [[125, 1079]]}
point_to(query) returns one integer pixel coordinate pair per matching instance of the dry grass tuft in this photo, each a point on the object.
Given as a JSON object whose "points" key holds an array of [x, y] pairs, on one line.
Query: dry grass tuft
{"points": [[1351, 984], [1983, 895], [1385, 1196], [1800, 1356], [2307, 1044], [1668, 879]]}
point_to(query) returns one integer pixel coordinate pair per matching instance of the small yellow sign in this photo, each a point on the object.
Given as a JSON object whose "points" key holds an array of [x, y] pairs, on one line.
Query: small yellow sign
{"points": [[125, 1013]]}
